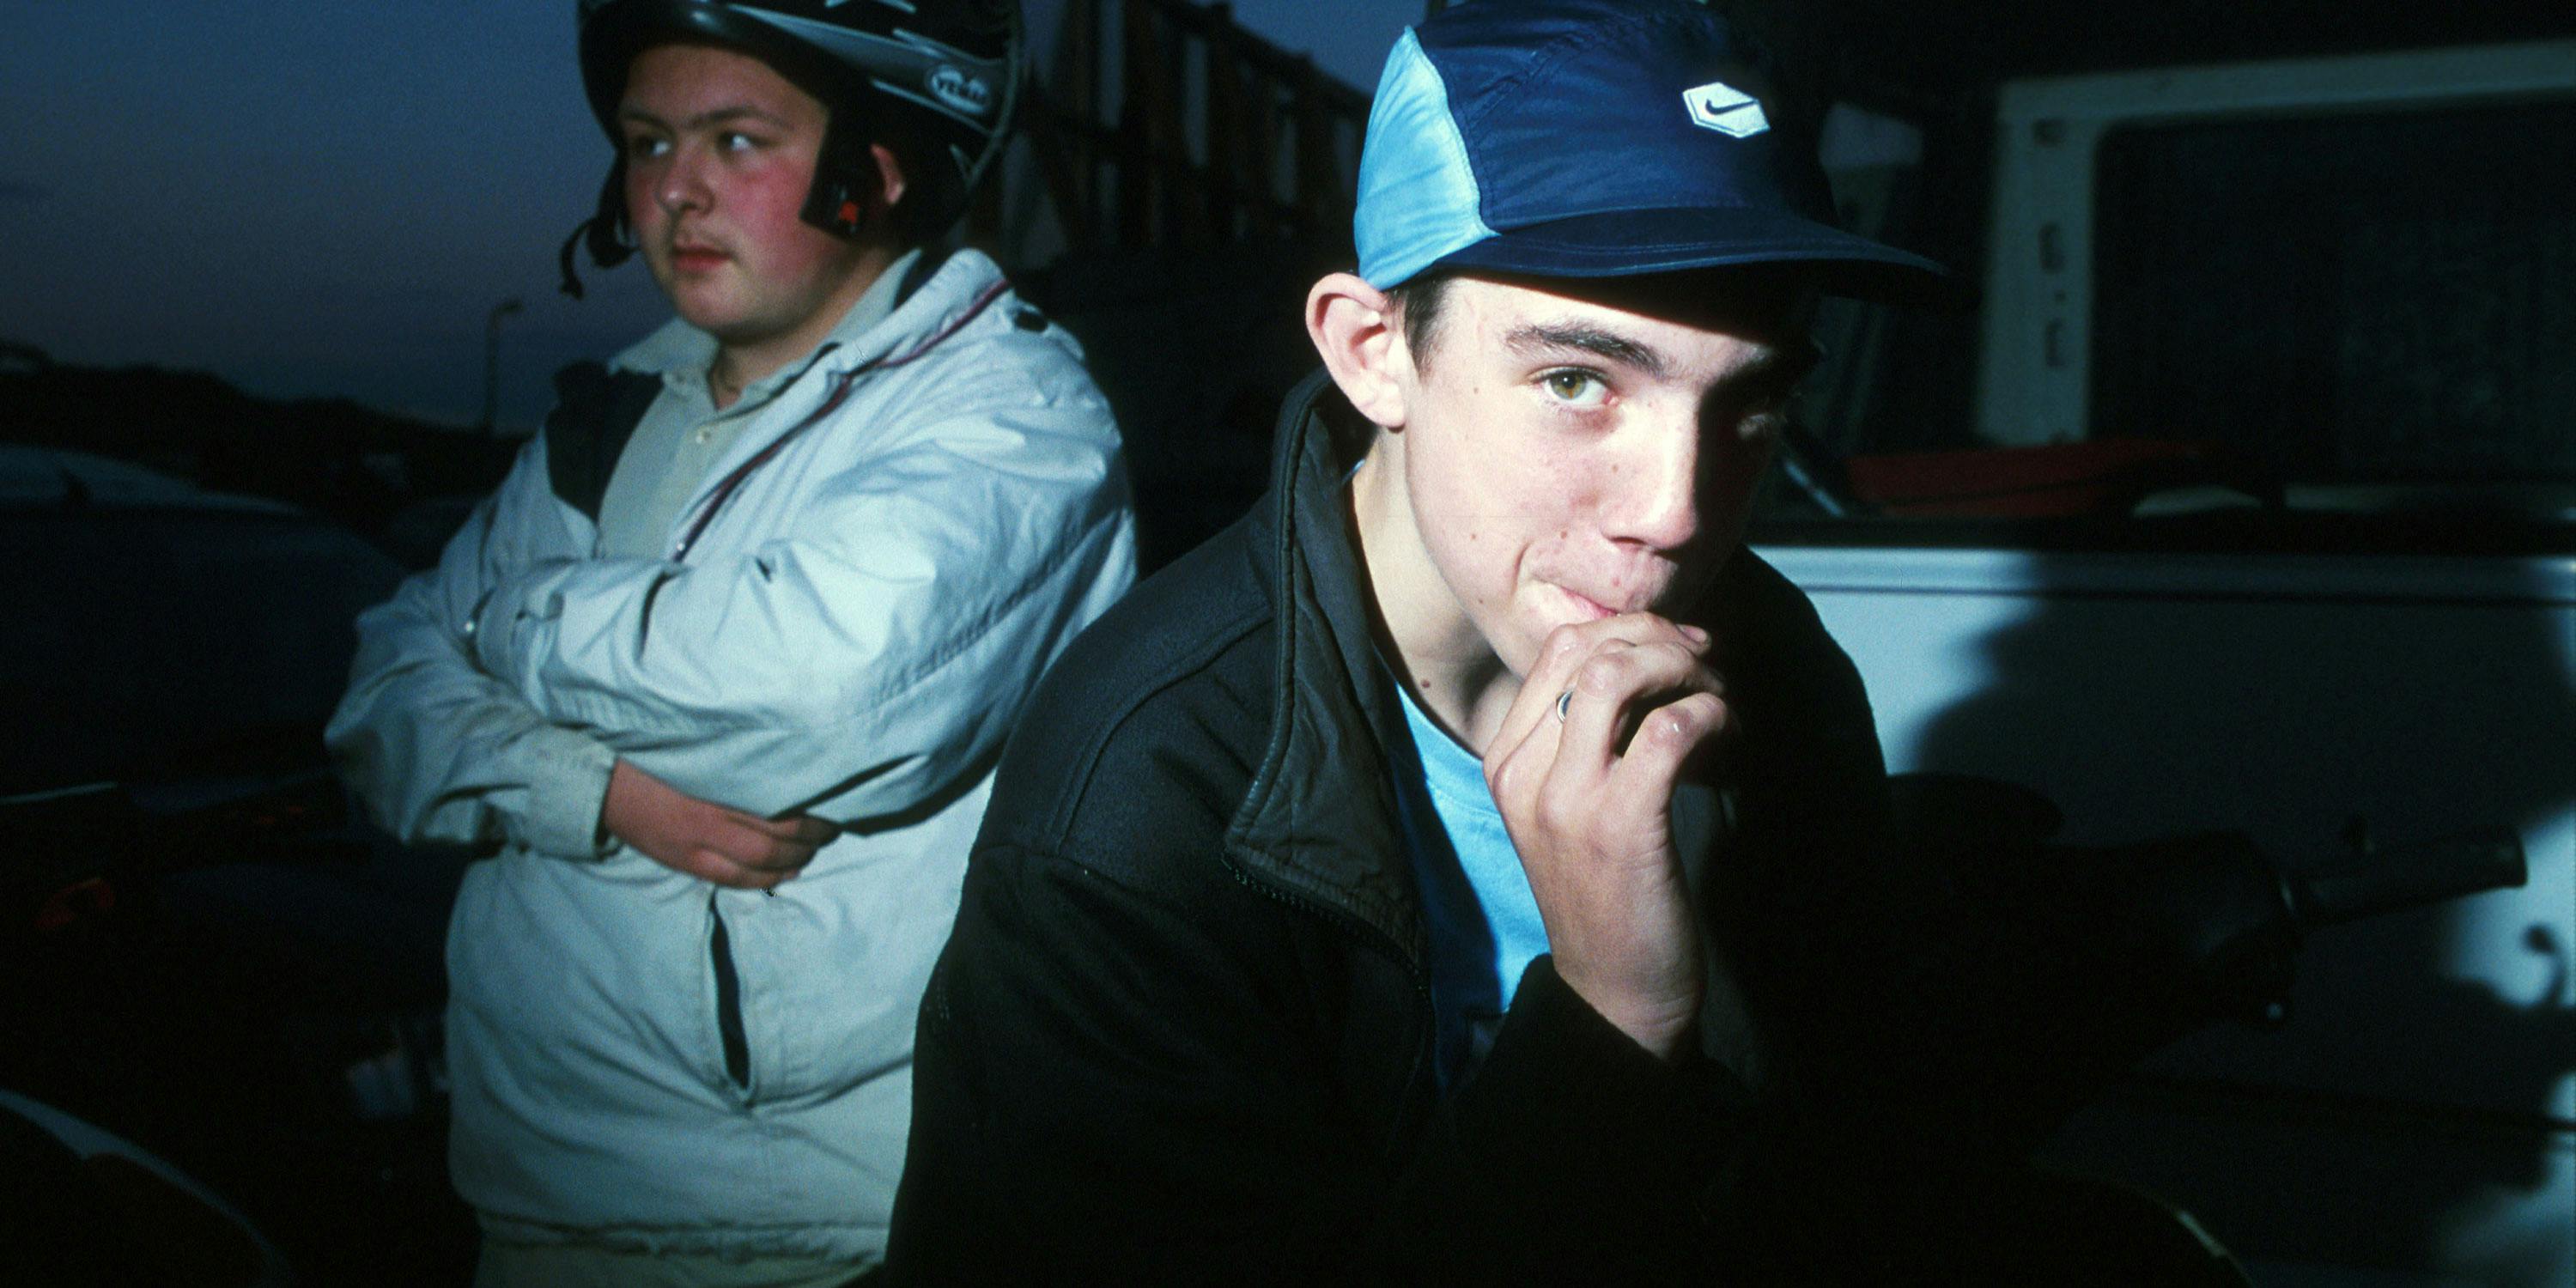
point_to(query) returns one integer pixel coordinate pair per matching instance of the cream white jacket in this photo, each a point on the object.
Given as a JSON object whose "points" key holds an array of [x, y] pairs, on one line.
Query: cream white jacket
{"points": [[882, 566]]}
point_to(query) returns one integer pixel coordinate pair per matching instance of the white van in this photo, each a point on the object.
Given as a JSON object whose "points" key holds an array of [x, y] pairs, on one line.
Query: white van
{"points": [[2266, 520]]}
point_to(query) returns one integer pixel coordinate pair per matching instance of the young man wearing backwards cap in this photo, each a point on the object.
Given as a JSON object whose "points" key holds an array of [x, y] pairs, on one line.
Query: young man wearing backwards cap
{"points": [[1443, 873], [722, 671]]}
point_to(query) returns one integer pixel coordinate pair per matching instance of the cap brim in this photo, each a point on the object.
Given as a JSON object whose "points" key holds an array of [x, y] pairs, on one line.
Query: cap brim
{"points": [[1636, 242]]}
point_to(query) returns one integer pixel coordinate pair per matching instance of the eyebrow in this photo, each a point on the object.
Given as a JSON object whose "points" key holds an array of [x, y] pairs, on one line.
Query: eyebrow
{"points": [[1774, 372], [1544, 339], [704, 120]]}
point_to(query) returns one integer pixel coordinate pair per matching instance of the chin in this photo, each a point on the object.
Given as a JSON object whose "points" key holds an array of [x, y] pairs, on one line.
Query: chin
{"points": [[716, 317]]}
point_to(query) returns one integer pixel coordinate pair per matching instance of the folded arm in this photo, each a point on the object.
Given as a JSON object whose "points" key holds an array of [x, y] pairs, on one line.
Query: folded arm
{"points": [[856, 662], [441, 752]]}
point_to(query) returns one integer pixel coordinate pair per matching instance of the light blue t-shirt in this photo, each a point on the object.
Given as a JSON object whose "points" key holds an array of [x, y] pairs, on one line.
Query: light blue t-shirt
{"points": [[1483, 920]]}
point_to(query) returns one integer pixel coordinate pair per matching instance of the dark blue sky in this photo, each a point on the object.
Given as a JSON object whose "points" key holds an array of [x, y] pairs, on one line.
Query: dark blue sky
{"points": [[316, 199]]}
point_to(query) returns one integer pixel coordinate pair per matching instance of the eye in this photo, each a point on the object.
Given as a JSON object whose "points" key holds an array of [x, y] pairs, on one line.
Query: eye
{"points": [[736, 141], [1575, 387], [645, 147]]}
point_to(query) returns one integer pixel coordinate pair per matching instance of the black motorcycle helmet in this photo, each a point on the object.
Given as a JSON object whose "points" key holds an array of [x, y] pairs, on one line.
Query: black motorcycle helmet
{"points": [[934, 80]]}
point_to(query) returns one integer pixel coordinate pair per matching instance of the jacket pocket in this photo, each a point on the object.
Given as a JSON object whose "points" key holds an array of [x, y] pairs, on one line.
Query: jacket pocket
{"points": [[737, 1047]]}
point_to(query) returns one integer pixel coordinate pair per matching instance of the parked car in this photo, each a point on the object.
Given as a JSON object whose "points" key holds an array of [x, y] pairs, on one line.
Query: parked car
{"points": [[200, 951]]}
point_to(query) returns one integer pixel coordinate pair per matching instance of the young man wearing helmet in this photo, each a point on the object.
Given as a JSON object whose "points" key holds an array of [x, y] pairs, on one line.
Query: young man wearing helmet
{"points": [[1363, 899], [723, 667]]}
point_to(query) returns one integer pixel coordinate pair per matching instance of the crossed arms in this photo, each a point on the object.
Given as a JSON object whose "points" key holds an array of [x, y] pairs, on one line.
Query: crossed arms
{"points": [[849, 662]]}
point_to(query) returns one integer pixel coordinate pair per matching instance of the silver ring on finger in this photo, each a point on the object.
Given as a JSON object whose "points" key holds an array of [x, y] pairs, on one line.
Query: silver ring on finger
{"points": [[1563, 700]]}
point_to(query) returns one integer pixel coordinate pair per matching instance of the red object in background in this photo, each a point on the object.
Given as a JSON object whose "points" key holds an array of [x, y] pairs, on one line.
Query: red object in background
{"points": [[71, 903], [2103, 476]]}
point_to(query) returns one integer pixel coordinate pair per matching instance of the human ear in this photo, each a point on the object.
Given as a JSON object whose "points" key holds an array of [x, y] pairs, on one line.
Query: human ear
{"points": [[841, 200], [1355, 328], [890, 180]]}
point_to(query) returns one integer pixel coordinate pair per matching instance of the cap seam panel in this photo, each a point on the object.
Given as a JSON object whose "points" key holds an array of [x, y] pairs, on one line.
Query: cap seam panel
{"points": [[1560, 49]]}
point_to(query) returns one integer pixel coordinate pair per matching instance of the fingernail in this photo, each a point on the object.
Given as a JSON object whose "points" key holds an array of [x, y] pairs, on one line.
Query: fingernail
{"points": [[1695, 634]]}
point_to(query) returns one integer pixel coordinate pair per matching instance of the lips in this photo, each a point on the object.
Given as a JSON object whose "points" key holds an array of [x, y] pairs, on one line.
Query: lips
{"points": [[695, 258], [1587, 608], [1646, 593]]}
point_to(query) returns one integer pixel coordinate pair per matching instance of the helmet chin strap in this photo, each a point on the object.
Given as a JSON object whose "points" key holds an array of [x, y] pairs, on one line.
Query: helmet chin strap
{"points": [[603, 234]]}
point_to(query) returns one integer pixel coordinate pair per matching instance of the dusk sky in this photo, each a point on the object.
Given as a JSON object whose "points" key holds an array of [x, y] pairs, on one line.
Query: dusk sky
{"points": [[321, 199]]}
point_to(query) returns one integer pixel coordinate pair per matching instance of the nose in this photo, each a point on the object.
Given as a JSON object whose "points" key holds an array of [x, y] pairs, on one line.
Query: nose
{"points": [[682, 183], [1658, 487]]}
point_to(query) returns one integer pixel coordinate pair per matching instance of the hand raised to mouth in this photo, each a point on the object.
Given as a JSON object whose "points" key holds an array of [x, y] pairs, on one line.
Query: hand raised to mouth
{"points": [[1584, 768]]}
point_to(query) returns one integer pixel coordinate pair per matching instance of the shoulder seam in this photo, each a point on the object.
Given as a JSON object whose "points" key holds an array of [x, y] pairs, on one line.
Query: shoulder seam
{"points": [[1060, 821]]}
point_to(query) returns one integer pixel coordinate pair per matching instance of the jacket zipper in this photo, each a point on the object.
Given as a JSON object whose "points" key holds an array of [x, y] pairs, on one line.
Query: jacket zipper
{"points": [[737, 1047], [1423, 1021]]}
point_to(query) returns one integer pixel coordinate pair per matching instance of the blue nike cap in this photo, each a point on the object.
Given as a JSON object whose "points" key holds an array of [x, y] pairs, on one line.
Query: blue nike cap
{"points": [[1599, 138]]}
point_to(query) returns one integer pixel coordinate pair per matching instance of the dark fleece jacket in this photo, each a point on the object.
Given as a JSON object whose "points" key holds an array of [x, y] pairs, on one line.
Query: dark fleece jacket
{"points": [[1183, 1030]]}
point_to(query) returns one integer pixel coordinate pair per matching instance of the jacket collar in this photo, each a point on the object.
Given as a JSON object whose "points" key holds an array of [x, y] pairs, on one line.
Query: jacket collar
{"points": [[1319, 822], [917, 296]]}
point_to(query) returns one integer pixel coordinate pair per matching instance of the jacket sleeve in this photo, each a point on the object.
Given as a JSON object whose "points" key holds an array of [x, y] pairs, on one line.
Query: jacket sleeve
{"points": [[1119, 1086], [869, 652], [439, 750]]}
